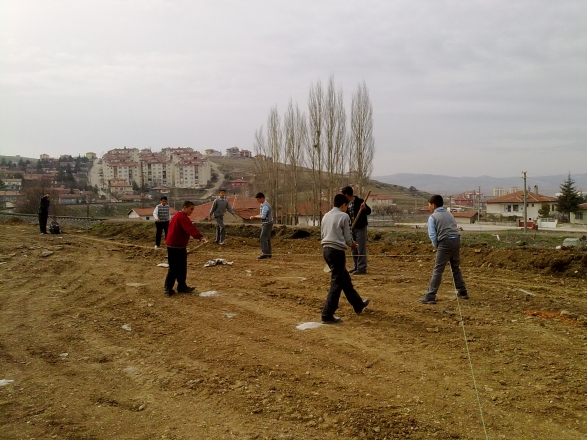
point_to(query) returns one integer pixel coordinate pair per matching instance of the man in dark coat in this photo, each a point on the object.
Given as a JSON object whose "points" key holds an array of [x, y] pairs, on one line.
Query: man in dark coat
{"points": [[357, 208], [44, 213]]}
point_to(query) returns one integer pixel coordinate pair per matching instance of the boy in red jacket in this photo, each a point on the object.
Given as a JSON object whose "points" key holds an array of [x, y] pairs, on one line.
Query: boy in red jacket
{"points": [[180, 230]]}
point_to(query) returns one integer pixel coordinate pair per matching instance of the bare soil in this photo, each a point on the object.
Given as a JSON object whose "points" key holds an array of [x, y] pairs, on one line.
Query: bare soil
{"points": [[95, 350]]}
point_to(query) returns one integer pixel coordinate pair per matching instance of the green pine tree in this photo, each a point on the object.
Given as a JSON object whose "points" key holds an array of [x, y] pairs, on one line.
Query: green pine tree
{"points": [[569, 200]]}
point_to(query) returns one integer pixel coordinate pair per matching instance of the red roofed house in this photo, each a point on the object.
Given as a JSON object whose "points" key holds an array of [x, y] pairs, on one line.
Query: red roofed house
{"points": [[238, 183], [513, 204], [244, 208], [306, 215], [465, 217], [380, 200], [146, 213]]}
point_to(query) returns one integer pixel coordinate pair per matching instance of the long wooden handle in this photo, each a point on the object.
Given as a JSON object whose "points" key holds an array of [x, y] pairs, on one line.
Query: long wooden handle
{"points": [[360, 210]]}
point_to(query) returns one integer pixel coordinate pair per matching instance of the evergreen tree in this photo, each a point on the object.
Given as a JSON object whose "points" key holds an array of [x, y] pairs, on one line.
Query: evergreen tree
{"points": [[569, 200], [2, 185]]}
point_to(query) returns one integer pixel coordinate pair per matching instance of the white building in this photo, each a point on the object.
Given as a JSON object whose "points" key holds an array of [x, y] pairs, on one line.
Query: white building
{"points": [[513, 204]]}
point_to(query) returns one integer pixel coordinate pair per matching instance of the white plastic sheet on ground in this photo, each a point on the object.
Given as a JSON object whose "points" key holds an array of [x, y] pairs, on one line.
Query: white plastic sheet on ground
{"points": [[209, 293], [217, 262], [4, 382], [308, 325]]}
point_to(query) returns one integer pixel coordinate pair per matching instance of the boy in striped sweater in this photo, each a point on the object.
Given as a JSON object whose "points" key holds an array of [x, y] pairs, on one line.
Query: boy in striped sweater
{"points": [[161, 215]]}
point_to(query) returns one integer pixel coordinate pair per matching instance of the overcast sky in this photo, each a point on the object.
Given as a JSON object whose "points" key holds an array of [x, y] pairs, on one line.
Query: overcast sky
{"points": [[461, 88]]}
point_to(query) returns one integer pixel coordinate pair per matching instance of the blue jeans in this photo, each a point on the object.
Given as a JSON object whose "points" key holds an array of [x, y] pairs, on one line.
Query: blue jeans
{"points": [[340, 281], [448, 250]]}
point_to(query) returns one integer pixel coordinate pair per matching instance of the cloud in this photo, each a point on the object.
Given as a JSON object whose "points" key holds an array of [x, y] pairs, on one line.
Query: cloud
{"points": [[474, 79]]}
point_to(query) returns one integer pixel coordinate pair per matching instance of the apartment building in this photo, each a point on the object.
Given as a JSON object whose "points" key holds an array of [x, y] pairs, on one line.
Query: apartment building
{"points": [[179, 167]]}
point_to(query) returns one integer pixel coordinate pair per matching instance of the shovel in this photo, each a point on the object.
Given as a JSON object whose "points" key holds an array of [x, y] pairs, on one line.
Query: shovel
{"points": [[326, 267]]}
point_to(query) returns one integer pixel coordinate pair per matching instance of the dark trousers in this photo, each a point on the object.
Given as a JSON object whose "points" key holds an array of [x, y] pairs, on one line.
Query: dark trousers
{"points": [[178, 268], [448, 250], [161, 226], [265, 238], [43, 221], [220, 229], [340, 281], [360, 253]]}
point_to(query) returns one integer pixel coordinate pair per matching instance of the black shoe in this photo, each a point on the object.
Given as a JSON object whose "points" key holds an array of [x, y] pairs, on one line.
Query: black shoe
{"points": [[186, 289], [333, 320], [169, 292], [263, 256], [359, 272], [365, 304], [427, 300], [462, 295]]}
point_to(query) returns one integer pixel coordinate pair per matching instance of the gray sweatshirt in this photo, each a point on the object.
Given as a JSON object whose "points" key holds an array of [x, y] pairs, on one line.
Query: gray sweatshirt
{"points": [[336, 230], [220, 206]]}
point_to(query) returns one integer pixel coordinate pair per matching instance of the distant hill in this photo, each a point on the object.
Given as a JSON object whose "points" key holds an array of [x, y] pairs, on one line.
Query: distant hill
{"points": [[547, 185]]}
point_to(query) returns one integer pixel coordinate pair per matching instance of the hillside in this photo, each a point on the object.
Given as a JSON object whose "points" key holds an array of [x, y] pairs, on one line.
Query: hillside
{"points": [[402, 196], [547, 185]]}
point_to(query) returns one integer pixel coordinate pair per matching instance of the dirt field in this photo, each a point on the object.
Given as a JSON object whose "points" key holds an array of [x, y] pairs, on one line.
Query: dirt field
{"points": [[95, 350]]}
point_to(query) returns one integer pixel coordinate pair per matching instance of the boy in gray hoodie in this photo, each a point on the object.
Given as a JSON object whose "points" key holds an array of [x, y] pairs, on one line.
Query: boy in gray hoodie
{"points": [[336, 238], [219, 208]]}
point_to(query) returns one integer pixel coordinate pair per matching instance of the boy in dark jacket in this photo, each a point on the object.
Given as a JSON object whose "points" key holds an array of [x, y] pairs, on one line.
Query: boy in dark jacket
{"points": [[54, 227], [357, 207], [44, 213], [180, 231], [445, 237]]}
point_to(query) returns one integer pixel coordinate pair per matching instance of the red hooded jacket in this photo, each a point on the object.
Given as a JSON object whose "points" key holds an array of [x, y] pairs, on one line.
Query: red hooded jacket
{"points": [[180, 230]]}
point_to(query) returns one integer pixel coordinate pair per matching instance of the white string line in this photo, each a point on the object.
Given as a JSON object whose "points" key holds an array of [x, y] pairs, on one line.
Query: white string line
{"points": [[469, 355]]}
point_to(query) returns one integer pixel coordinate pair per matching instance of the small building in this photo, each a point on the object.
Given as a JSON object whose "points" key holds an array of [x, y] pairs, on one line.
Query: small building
{"points": [[580, 216], [238, 184], [380, 200], [307, 217], [161, 189], [12, 184], [212, 153], [146, 213], [465, 217], [513, 204]]}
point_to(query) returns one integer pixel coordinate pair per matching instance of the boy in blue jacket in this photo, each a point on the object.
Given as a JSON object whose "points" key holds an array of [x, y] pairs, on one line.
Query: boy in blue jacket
{"points": [[445, 237]]}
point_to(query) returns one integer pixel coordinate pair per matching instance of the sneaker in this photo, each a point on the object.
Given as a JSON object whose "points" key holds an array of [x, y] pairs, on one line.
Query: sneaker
{"points": [[333, 320], [428, 300], [462, 295], [186, 289], [169, 292], [156, 247], [221, 243], [359, 272], [263, 256], [365, 304]]}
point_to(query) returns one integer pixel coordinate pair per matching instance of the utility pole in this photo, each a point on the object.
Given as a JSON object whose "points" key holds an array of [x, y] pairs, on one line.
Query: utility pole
{"points": [[479, 205], [525, 204]]}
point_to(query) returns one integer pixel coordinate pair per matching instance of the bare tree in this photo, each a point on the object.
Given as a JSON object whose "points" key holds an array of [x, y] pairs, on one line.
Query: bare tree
{"points": [[269, 151], [336, 145], [314, 148], [295, 142], [362, 142]]}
